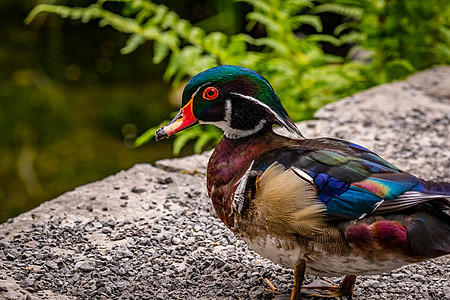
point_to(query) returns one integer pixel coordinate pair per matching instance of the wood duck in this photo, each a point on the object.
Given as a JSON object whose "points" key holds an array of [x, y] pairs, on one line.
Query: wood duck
{"points": [[323, 206]]}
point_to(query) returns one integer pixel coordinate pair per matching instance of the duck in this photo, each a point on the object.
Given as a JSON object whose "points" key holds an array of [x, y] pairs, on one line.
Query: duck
{"points": [[320, 206]]}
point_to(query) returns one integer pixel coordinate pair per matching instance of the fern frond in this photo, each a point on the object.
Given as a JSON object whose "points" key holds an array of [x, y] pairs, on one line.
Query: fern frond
{"points": [[210, 134], [344, 10], [352, 37], [85, 14], [272, 43], [134, 41], [148, 135], [160, 51], [259, 4], [182, 139], [293, 7], [265, 20], [314, 21], [324, 38]]}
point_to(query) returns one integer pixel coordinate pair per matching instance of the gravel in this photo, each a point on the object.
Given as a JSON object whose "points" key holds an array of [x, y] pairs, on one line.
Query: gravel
{"points": [[163, 258], [151, 233]]}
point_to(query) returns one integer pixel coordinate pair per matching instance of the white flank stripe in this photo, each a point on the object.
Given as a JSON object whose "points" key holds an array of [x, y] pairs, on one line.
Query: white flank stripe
{"points": [[303, 175], [239, 194]]}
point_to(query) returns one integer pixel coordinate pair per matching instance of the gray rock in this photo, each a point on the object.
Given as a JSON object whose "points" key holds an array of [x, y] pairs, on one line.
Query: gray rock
{"points": [[84, 265], [52, 265], [107, 230]]}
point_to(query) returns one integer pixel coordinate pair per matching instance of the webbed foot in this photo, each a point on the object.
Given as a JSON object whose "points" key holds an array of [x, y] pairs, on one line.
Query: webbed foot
{"points": [[327, 289]]}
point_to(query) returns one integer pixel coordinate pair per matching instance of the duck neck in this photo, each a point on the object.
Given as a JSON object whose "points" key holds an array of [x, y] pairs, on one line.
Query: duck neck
{"points": [[228, 160]]}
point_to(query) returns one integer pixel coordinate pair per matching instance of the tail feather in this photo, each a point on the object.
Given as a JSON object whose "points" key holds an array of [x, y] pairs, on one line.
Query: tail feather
{"points": [[436, 194], [434, 187], [429, 235]]}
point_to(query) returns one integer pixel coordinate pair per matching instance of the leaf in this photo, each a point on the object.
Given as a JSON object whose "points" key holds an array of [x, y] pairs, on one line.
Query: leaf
{"points": [[314, 21], [402, 63], [265, 20], [273, 43], [260, 4], [294, 6], [325, 38], [341, 27], [352, 37], [215, 41], [183, 28], [143, 15], [87, 13], [160, 51], [170, 20], [340, 9], [445, 33], [148, 135], [182, 139], [134, 41], [173, 66], [201, 142], [238, 44], [208, 134], [160, 13]]}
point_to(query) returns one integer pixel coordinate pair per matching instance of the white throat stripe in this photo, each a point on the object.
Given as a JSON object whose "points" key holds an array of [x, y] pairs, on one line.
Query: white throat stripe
{"points": [[264, 105]]}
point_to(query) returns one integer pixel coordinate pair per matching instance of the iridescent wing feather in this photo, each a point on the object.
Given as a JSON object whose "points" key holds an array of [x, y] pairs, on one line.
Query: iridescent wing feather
{"points": [[351, 180]]}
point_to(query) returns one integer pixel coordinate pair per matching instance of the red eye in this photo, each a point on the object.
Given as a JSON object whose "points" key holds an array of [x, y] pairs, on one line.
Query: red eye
{"points": [[210, 93]]}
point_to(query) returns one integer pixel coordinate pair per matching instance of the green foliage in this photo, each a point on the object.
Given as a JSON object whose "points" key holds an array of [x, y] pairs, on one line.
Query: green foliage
{"points": [[402, 36], [148, 134], [201, 136]]}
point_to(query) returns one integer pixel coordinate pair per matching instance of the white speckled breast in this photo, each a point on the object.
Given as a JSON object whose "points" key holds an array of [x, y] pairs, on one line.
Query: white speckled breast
{"points": [[287, 253]]}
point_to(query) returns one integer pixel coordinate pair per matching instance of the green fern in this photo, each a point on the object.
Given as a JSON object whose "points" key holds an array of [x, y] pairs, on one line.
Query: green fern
{"points": [[303, 75]]}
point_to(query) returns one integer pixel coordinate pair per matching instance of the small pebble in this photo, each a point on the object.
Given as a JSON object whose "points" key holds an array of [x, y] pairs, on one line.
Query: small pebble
{"points": [[138, 191], [107, 230], [84, 265], [176, 240], [52, 265]]}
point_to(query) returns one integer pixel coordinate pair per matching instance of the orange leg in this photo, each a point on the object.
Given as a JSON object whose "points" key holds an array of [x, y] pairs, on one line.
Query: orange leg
{"points": [[299, 276], [319, 288]]}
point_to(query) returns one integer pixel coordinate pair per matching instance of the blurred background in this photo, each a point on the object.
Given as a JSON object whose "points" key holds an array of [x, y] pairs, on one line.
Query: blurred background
{"points": [[72, 102]]}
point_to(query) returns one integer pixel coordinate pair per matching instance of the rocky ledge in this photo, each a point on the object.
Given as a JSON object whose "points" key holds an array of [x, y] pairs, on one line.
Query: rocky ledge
{"points": [[151, 233]]}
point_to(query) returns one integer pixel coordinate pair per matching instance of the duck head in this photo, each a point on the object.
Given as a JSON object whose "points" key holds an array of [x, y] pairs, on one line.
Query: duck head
{"points": [[237, 100]]}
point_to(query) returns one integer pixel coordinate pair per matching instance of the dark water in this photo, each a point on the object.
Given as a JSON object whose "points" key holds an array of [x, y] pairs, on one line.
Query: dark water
{"points": [[68, 102], [50, 148]]}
